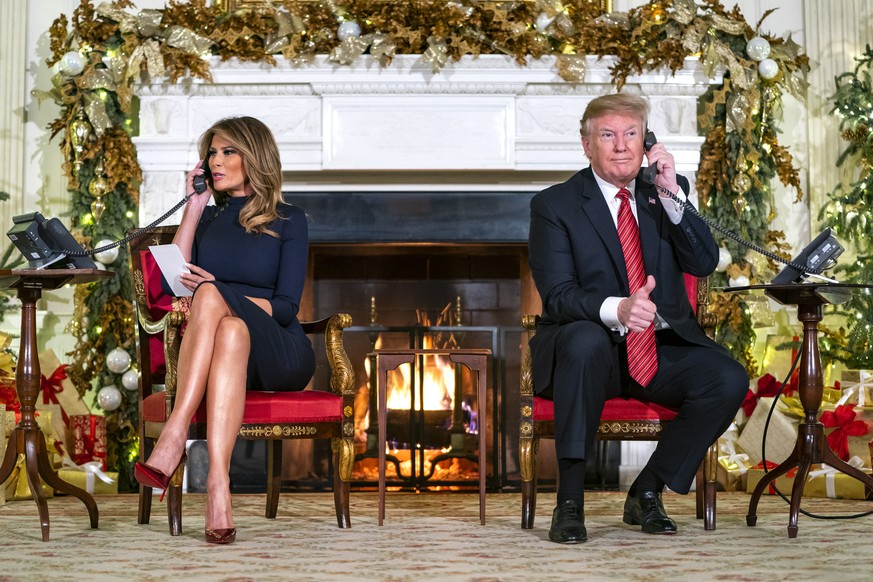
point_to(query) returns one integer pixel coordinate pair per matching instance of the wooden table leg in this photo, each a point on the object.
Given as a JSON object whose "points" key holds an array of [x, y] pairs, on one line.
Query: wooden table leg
{"points": [[27, 439], [479, 364], [384, 364]]}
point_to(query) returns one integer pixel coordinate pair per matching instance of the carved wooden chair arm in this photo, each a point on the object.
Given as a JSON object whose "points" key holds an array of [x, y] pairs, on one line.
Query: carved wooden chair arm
{"points": [[529, 323], [342, 375]]}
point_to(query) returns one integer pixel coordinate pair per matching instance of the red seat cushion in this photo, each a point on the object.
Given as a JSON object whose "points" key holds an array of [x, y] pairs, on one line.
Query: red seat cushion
{"points": [[264, 407], [613, 409]]}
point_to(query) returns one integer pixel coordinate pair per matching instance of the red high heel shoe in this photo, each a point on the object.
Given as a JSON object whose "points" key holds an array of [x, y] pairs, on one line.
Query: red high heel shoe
{"points": [[151, 477], [220, 536]]}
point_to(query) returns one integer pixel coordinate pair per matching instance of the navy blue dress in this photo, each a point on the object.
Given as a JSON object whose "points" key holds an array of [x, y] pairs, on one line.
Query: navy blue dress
{"points": [[260, 265]]}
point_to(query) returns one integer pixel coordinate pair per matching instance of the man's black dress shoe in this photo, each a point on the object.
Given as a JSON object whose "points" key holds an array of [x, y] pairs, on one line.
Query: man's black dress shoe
{"points": [[568, 525], [646, 509]]}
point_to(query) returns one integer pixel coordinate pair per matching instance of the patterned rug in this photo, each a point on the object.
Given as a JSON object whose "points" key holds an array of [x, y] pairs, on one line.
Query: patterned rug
{"points": [[432, 535]]}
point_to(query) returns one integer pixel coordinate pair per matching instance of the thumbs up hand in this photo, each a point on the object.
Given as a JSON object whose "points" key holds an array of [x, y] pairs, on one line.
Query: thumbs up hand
{"points": [[637, 312]]}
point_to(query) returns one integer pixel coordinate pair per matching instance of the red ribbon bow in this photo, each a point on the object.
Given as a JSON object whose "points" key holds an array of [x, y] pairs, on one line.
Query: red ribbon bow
{"points": [[52, 385], [842, 420], [767, 386]]}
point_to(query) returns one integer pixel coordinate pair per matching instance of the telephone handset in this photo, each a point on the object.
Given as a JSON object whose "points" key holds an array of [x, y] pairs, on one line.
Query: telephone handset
{"points": [[818, 255], [201, 182], [650, 171]]}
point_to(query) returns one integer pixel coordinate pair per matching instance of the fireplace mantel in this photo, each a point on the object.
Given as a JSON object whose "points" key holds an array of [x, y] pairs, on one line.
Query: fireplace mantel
{"points": [[482, 123]]}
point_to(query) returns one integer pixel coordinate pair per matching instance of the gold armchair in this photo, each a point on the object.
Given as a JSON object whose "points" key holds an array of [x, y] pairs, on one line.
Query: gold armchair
{"points": [[271, 416], [621, 419]]}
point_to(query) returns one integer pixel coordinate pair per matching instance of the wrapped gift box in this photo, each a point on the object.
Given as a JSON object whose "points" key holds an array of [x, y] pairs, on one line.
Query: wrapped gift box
{"points": [[57, 388], [781, 435], [821, 482], [2, 448], [9, 398], [857, 387], [733, 462], [91, 481], [17, 486], [828, 482], [88, 439], [849, 429], [783, 483]]}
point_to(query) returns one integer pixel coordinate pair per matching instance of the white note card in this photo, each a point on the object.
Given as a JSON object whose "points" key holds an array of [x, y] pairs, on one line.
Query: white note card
{"points": [[172, 264]]}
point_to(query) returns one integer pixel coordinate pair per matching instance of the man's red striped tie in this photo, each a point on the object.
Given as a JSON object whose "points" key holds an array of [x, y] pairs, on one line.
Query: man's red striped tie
{"points": [[642, 353]]}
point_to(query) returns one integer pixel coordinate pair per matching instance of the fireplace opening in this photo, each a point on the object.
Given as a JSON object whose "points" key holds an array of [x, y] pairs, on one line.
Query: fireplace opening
{"points": [[428, 296]]}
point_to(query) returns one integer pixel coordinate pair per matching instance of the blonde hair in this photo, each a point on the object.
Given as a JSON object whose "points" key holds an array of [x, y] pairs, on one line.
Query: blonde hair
{"points": [[618, 103], [262, 166]]}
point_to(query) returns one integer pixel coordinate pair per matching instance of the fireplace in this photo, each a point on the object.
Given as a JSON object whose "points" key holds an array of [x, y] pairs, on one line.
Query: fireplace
{"points": [[426, 269]]}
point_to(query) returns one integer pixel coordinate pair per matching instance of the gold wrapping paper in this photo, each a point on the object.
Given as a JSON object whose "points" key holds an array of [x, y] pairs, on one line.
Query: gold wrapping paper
{"points": [[733, 465], [783, 483], [17, 486], [90, 482], [828, 482], [821, 482]]}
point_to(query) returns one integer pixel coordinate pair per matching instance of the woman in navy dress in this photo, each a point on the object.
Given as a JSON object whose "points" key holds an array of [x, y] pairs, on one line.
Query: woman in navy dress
{"points": [[247, 256]]}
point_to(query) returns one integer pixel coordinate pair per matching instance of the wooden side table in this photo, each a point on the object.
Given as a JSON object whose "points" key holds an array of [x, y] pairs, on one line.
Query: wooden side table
{"points": [[27, 439], [474, 359], [811, 445]]}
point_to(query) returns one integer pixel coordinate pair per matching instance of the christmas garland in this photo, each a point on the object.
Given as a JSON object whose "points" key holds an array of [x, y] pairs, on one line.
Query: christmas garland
{"points": [[101, 51]]}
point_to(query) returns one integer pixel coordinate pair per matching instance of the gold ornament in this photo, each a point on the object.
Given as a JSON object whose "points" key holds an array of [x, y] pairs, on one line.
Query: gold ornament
{"points": [[80, 132], [741, 184], [97, 188]]}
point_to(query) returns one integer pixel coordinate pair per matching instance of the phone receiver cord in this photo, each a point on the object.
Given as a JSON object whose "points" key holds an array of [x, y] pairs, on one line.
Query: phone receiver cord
{"points": [[132, 236], [734, 236]]}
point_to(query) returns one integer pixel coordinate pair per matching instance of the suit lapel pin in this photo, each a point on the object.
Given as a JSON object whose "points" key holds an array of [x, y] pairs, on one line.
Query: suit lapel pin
{"points": [[651, 200]]}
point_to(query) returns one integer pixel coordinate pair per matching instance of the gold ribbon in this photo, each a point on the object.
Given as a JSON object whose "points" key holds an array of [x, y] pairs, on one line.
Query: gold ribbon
{"points": [[728, 25], [348, 51], [95, 109], [187, 40], [437, 53], [382, 49], [150, 52], [684, 11], [619, 19], [693, 37], [146, 23]]}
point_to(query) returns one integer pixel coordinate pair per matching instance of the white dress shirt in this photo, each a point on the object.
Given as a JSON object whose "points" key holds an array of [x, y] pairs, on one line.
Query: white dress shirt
{"points": [[609, 307]]}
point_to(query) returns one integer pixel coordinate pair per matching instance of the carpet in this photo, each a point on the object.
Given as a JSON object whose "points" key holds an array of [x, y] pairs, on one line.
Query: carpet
{"points": [[432, 535]]}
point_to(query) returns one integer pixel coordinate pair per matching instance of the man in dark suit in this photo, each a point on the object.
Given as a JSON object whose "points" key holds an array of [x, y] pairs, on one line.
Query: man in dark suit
{"points": [[602, 335]]}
